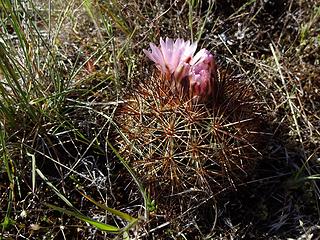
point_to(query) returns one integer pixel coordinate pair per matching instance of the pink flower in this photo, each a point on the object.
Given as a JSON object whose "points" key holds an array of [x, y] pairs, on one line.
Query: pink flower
{"points": [[172, 57], [201, 74], [176, 62]]}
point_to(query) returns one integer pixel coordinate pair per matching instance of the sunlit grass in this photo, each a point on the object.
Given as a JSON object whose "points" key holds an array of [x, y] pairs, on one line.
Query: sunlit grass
{"points": [[67, 69], [38, 85]]}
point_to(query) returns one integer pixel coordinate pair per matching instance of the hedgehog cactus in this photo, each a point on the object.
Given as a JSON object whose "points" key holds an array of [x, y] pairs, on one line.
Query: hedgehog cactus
{"points": [[185, 129]]}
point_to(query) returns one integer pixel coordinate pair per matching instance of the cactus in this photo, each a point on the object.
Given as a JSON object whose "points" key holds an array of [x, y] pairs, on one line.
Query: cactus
{"points": [[175, 143]]}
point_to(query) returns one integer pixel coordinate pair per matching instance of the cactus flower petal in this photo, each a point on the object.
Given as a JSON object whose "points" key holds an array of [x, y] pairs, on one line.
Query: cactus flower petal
{"points": [[201, 73], [176, 61]]}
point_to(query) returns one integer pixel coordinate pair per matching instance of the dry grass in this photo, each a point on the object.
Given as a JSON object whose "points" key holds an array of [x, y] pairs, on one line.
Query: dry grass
{"points": [[72, 69]]}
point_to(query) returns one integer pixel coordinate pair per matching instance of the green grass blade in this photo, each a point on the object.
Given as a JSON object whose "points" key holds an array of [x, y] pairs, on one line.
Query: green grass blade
{"points": [[313, 177], [7, 221], [54, 188], [146, 199], [99, 225], [206, 18], [33, 170], [118, 20], [118, 213]]}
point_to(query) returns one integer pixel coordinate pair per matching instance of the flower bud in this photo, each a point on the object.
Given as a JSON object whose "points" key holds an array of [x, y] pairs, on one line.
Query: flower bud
{"points": [[201, 75]]}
